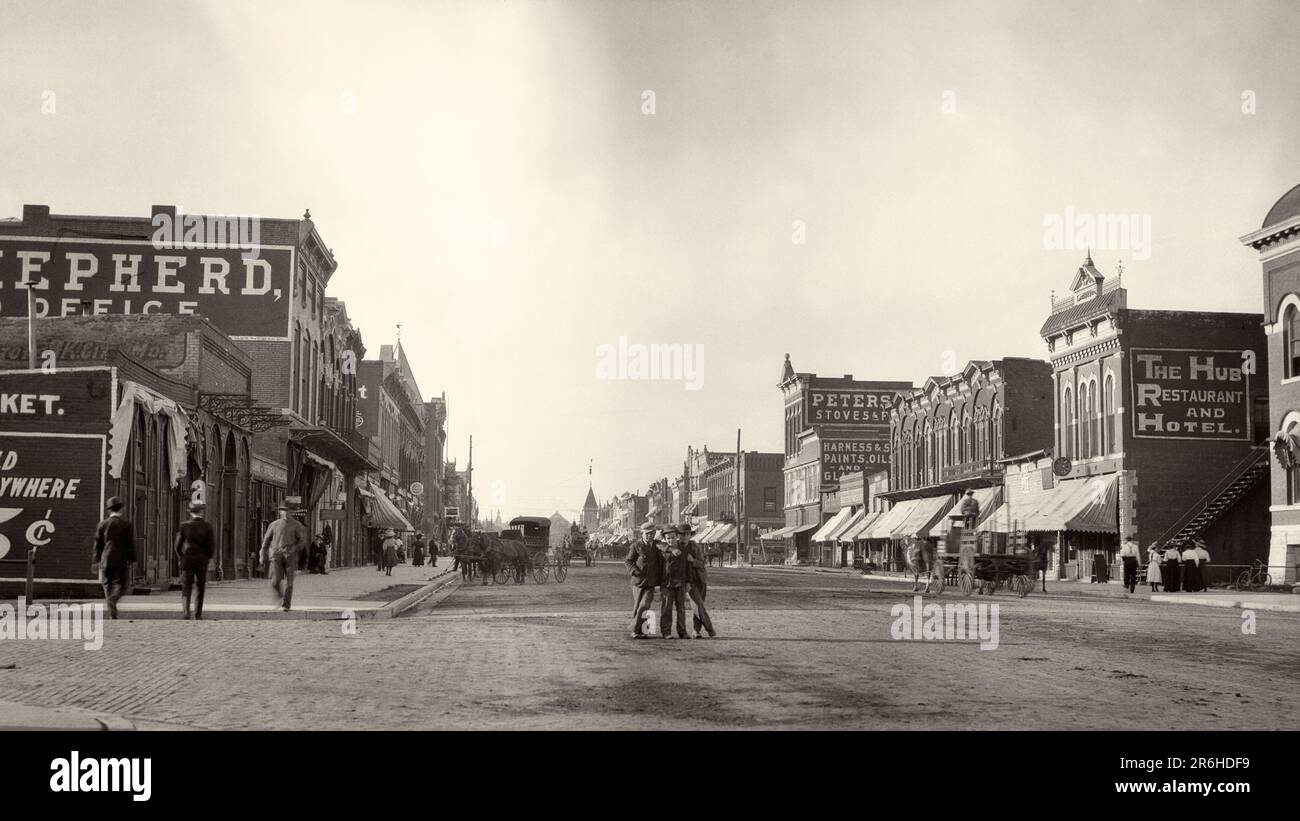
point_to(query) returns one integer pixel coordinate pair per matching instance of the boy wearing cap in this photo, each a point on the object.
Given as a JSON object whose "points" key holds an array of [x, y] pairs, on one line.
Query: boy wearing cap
{"points": [[646, 565], [195, 546], [699, 580], [114, 553], [676, 581]]}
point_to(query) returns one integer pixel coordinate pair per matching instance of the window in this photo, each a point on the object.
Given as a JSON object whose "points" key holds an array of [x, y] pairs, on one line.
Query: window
{"points": [[997, 432], [1067, 423], [297, 357], [1293, 473], [1085, 416], [1291, 341], [1108, 437]]}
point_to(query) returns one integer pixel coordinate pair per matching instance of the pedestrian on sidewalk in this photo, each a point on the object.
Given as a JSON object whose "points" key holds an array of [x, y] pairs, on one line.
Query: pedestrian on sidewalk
{"points": [[1191, 569], [1173, 575], [284, 540], [390, 551], [417, 550], [1153, 567], [1129, 555], [327, 539], [699, 579], [646, 566], [195, 546], [673, 587], [1202, 562], [114, 554]]}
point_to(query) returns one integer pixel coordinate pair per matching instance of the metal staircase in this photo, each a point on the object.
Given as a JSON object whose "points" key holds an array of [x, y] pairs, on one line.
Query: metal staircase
{"points": [[1236, 483]]}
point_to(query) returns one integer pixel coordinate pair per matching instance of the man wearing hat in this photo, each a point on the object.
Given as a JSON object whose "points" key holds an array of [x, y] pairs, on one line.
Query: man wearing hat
{"points": [[284, 538], [676, 581], [699, 579], [195, 546], [1128, 554], [646, 566], [970, 510], [114, 553]]}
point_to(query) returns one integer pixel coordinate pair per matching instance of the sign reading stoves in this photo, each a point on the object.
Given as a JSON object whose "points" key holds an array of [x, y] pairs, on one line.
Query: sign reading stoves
{"points": [[1190, 394]]}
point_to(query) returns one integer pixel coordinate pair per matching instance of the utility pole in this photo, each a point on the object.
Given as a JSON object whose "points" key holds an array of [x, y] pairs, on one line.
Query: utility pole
{"points": [[469, 473]]}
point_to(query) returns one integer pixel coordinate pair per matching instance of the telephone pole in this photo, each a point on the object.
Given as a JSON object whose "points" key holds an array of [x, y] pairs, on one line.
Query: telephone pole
{"points": [[469, 473], [740, 534]]}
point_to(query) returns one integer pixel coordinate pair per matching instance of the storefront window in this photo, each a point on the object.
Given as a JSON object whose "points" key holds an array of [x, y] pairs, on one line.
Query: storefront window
{"points": [[1291, 341]]}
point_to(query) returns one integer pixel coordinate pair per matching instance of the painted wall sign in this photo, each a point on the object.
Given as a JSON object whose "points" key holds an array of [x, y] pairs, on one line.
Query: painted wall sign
{"points": [[51, 496], [243, 297], [848, 406], [1190, 394], [846, 453]]}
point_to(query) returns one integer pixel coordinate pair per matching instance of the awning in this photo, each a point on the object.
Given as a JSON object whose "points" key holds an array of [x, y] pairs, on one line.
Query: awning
{"points": [[123, 423], [850, 523], [988, 497], [858, 527], [787, 532], [924, 516], [1089, 504], [690, 509], [702, 535], [722, 533], [884, 526], [385, 513], [834, 523]]}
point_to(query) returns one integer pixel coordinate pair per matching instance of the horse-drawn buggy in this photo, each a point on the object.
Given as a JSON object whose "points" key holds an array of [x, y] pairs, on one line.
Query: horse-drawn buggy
{"points": [[973, 561], [577, 543], [511, 555]]}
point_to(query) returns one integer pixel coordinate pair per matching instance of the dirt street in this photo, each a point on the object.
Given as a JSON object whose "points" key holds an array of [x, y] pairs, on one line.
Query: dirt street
{"points": [[796, 650]]}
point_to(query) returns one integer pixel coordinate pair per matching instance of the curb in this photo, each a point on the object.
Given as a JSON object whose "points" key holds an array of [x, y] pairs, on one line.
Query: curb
{"points": [[16, 717], [396, 608], [1236, 604]]}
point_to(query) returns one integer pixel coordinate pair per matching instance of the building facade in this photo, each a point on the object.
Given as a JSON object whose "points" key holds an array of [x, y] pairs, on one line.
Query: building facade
{"points": [[1277, 244]]}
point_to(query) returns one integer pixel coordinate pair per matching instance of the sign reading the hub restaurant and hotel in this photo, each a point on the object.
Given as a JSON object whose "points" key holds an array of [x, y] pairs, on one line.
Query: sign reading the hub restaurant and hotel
{"points": [[244, 292], [848, 406], [1190, 394], [53, 451]]}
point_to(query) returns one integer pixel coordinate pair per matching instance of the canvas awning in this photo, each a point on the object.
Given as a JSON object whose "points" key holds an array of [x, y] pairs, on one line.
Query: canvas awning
{"points": [[988, 497], [825, 533], [924, 516], [386, 514], [702, 535], [690, 509], [852, 522], [858, 529], [1089, 504], [722, 533], [884, 526], [787, 532]]}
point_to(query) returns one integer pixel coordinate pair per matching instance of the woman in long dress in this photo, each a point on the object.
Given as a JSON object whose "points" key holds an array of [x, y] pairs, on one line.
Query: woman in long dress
{"points": [[1191, 570], [1172, 575], [1153, 568]]}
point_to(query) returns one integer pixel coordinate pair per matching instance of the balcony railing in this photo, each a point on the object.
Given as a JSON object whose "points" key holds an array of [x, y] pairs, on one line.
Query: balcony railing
{"points": [[965, 470]]}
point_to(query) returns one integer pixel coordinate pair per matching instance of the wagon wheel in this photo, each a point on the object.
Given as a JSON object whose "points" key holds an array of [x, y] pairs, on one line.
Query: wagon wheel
{"points": [[540, 568], [562, 570], [966, 582], [502, 575], [938, 581]]}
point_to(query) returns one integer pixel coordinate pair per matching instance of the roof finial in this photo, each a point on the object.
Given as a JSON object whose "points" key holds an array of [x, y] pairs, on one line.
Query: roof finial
{"points": [[306, 214]]}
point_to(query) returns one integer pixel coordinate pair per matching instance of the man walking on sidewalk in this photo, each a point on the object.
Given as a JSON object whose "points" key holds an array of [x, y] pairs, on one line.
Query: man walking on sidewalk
{"points": [[195, 546], [114, 553], [699, 580], [284, 538], [1128, 554], [646, 566]]}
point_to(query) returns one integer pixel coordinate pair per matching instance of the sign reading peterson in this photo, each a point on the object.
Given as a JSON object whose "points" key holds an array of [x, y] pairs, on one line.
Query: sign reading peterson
{"points": [[1180, 393], [245, 297], [848, 406]]}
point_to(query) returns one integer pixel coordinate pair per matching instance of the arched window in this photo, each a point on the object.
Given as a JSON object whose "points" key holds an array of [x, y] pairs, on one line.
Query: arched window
{"points": [[1291, 341], [1293, 473], [1108, 436], [968, 428], [1085, 418], [997, 432], [1067, 423], [297, 357]]}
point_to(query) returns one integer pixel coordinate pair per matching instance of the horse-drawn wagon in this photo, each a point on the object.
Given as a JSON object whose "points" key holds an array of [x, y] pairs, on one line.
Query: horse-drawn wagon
{"points": [[971, 561]]}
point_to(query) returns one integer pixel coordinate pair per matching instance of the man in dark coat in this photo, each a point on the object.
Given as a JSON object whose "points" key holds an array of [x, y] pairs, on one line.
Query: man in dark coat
{"points": [[970, 510], [676, 581], [646, 566], [699, 579], [114, 553], [195, 546]]}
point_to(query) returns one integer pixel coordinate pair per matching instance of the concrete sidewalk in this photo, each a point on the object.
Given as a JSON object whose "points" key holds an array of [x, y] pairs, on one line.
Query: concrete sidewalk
{"points": [[364, 591], [16, 717], [1217, 597]]}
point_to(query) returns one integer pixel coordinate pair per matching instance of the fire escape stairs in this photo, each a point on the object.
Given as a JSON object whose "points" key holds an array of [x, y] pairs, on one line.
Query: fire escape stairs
{"points": [[1236, 483]]}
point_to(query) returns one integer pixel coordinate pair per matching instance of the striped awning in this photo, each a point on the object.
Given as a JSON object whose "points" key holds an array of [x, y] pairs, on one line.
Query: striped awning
{"points": [[883, 527], [385, 514], [827, 531], [988, 497]]}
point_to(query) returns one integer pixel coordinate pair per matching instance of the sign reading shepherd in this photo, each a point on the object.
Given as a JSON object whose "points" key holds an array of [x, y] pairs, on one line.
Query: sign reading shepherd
{"points": [[1180, 393], [244, 296]]}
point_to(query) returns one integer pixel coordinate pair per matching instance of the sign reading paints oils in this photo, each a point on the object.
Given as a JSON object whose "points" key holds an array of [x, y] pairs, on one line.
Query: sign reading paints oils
{"points": [[1190, 394]]}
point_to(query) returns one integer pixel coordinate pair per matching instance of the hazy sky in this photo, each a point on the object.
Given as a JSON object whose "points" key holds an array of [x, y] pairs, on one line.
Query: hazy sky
{"points": [[921, 145]]}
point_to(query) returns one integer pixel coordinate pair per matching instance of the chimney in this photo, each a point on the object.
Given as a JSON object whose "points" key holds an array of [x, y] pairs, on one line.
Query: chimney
{"points": [[36, 214]]}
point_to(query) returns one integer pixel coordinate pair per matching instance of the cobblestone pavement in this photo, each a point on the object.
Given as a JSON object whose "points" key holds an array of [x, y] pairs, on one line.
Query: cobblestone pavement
{"points": [[794, 651]]}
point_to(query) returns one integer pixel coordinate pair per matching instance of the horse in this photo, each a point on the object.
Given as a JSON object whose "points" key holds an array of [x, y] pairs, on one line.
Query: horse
{"points": [[922, 552], [497, 553]]}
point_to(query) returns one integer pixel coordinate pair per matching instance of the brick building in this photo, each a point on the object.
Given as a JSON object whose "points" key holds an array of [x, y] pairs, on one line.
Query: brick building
{"points": [[144, 390], [1160, 418], [950, 436], [1277, 243], [833, 426]]}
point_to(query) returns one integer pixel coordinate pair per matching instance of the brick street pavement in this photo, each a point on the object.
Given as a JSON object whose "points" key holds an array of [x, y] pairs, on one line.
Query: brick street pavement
{"points": [[795, 651]]}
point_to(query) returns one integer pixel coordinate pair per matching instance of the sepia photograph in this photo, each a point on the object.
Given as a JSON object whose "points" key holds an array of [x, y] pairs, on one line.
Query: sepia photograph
{"points": [[908, 371]]}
